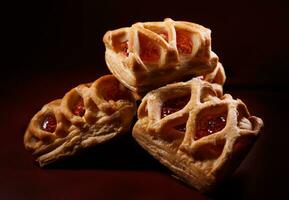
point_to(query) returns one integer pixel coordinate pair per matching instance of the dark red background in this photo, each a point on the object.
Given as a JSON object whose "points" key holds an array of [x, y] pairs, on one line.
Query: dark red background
{"points": [[52, 46]]}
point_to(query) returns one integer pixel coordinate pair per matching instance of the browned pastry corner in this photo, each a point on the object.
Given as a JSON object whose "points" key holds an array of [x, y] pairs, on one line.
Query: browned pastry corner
{"points": [[217, 78], [87, 115], [194, 130], [148, 55]]}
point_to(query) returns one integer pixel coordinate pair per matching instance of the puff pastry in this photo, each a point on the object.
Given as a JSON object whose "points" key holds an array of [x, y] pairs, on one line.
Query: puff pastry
{"points": [[87, 115], [148, 55], [217, 78], [194, 130]]}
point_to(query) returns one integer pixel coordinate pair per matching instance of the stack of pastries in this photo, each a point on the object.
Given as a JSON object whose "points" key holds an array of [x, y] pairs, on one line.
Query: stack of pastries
{"points": [[184, 119]]}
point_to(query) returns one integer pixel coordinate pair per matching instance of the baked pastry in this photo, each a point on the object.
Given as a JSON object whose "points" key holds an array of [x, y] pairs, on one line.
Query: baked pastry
{"points": [[87, 115], [194, 130], [217, 78], [148, 55]]}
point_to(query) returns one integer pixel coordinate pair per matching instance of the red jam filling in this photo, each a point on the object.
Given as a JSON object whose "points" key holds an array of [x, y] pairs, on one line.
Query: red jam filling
{"points": [[149, 51], [49, 123], [163, 34], [124, 48], [79, 108], [181, 127], [210, 124], [160, 31], [173, 105], [184, 42]]}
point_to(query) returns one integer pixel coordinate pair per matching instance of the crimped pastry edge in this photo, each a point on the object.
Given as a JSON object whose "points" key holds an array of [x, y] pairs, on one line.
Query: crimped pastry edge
{"points": [[78, 139]]}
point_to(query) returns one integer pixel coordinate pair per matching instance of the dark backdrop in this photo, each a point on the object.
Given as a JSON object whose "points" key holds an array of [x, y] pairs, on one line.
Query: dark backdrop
{"points": [[49, 47]]}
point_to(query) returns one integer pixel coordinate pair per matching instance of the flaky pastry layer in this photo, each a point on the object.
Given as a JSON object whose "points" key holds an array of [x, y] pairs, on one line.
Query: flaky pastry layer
{"points": [[194, 130], [87, 115], [151, 54]]}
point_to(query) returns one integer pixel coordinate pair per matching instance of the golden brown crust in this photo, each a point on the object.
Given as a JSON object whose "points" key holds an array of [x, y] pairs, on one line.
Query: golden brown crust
{"points": [[199, 161], [217, 77], [148, 55], [107, 111]]}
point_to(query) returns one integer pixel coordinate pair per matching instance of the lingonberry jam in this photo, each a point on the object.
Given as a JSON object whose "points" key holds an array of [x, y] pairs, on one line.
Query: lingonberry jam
{"points": [[209, 124], [160, 31], [149, 51], [184, 42], [181, 127], [79, 108], [124, 48], [49, 123], [164, 34], [173, 105]]}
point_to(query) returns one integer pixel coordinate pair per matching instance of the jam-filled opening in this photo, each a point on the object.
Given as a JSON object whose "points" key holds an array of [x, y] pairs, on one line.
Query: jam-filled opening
{"points": [[173, 105], [161, 31], [149, 51], [210, 120], [209, 151], [78, 108], [181, 127], [184, 42], [123, 46], [120, 44], [49, 123]]}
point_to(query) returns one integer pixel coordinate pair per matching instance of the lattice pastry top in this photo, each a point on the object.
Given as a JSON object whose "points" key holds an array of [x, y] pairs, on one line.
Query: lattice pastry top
{"points": [[197, 132], [87, 115], [148, 55]]}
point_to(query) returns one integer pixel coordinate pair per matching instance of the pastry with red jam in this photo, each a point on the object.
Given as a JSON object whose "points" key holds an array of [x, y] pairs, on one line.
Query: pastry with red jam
{"points": [[148, 55], [197, 132], [87, 115]]}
